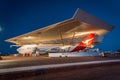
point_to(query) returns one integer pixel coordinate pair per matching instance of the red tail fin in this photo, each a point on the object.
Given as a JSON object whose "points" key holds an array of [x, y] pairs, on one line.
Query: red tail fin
{"points": [[87, 42]]}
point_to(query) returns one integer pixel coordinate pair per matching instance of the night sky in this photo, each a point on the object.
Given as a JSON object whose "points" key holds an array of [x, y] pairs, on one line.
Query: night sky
{"points": [[21, 16]]}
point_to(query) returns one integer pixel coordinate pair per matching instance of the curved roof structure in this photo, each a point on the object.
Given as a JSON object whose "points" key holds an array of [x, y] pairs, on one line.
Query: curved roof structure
{"points": [[80, 24]]}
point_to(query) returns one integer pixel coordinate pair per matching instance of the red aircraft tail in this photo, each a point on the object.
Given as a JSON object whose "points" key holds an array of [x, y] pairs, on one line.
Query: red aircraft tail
{"points": [[87, 42]]}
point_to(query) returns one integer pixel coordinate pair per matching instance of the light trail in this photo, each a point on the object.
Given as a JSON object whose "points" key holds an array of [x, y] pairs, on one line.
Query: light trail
{"points": [[51, 66]]}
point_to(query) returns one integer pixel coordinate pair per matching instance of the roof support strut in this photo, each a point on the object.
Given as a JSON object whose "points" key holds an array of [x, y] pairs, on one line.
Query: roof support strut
{"points": [[61, 37]]}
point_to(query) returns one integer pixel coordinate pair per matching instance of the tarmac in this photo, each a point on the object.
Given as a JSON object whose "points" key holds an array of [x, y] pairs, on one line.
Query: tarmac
{"points": [[12, 61], [34, 68]]}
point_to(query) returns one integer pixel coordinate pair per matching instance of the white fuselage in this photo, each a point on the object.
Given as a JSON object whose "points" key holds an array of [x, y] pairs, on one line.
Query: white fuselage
{"points": [[29, 49], [26, 49]]}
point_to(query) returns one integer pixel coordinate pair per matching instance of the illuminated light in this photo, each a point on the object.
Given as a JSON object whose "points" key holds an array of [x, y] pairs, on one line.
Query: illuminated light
{"points": [[83, 33], [64, 47], [98, 32], [29, 37]]}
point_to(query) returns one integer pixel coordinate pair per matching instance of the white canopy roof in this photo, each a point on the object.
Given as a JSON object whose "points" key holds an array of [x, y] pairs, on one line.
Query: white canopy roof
{"points": [[81, 23]]}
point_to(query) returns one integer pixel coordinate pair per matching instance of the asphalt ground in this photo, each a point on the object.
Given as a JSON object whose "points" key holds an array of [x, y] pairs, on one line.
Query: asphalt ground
{"points": [[110, 72], [12, 62], [105, 71]]}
